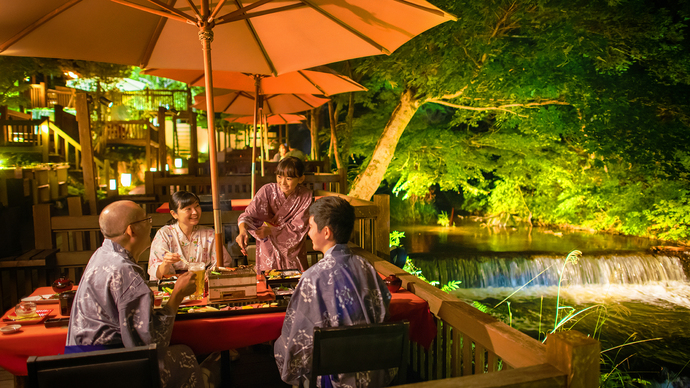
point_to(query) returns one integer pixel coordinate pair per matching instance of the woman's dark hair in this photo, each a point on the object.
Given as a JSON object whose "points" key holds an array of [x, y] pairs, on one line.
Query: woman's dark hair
{"points": [[290, 166], [337, 214], [180, 200]]}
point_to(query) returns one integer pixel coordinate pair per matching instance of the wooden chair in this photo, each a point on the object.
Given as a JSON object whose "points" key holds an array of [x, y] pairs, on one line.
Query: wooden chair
{"points": [[349, 349], [123, 367]]}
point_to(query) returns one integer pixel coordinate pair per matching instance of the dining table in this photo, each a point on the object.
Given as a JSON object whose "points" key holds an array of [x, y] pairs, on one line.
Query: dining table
{"points": [[203, 335]]}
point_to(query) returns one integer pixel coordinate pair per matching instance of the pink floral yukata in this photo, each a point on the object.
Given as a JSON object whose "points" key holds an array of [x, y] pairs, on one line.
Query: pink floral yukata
{"points": [[289, 217]]}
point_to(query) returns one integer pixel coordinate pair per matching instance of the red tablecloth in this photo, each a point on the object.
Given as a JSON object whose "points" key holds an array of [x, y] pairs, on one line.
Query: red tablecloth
{"points": [[236, 204], [202, 335]]}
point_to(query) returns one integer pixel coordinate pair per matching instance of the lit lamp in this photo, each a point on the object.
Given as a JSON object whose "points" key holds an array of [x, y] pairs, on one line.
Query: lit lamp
{"points": [[167, 168], [178, 162], [105, 101], [152, 169], [126, 180], [113, 184]]}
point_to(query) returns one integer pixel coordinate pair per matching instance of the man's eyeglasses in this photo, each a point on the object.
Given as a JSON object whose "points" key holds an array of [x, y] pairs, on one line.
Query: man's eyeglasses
{"points": [[149, 219]]}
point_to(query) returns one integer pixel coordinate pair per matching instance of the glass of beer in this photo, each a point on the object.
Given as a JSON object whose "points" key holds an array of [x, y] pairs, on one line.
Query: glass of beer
{"points": [[200, 270]]}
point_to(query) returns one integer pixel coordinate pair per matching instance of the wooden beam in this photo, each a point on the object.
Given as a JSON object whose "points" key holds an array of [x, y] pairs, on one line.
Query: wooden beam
{"points": [[162, 148], [87, 164], [383, 226], [577, 355], [43, 236], [538, 376]]}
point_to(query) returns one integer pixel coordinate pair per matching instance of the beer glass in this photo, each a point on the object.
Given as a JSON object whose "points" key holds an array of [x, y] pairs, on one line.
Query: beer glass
{"points": [[200, 270]]}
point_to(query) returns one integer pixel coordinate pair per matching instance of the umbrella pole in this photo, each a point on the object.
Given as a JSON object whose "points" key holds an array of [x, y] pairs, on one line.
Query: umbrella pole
{"points": [[206, 36], [257, 83], [263, 140]]}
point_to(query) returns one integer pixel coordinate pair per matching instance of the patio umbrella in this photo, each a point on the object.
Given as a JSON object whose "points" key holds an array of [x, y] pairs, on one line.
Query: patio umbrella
{"points": [[244, 103], [319, 80], [277, 119], [261, 37]]}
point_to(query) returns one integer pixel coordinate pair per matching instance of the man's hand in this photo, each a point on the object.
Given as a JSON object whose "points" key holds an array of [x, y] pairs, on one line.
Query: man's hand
{"points": [[185, 284]]}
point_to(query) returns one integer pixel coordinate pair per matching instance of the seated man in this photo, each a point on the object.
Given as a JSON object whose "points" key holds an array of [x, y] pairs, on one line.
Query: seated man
{"points": [[113, 306], [342, 289]]}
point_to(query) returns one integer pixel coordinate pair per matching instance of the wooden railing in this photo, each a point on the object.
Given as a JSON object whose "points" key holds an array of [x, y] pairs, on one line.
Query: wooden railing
{"points": [[471, 349], [230, 186], [41, 97], [151, 100], [133, 130]]}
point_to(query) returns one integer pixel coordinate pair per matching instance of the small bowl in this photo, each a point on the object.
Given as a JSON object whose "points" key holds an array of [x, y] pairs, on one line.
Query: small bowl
{"points": [[25, 308], [10, 329]]}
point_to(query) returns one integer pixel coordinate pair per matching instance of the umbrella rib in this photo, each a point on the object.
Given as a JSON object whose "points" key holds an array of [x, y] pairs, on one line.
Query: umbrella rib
{"points": [[153, 11], [312, 82], [240, 11], [216, 10], [435, 11], [152, 42], [37, 23], [231, 102], [173, 10], [258, 41], [232, 17], [304, 101], [351, 81], [195, 9], [347, 27]]}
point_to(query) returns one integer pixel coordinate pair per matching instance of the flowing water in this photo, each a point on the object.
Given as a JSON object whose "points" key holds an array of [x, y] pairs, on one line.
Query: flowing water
{"points": [[642, 296]]}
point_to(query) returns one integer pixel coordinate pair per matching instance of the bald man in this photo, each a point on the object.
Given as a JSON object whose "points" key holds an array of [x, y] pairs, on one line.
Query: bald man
{"points": [[113, 306]]}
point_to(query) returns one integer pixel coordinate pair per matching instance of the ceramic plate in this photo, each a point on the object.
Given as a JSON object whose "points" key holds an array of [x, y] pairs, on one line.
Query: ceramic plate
{"points": [[42, 299], [42, 314]]}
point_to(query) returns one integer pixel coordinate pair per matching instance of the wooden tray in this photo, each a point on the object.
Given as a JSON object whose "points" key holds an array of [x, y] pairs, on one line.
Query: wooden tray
{"points": [[42, 314], [282, 306]]}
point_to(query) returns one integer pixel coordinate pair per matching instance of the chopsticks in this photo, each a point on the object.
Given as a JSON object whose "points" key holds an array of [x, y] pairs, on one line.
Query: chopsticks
{"points": [[182, 259]]}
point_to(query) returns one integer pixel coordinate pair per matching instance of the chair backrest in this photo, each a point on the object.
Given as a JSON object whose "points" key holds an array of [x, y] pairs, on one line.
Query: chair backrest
{"points": [[348, 349], [122, 368]]}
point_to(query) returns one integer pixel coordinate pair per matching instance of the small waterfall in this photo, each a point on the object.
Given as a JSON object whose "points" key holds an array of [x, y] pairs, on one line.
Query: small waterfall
{"points": [[484, 270]]}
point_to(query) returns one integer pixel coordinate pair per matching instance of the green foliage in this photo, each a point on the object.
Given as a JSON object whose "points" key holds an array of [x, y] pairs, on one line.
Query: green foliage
{"points": [[443, 219], [395, 237]]}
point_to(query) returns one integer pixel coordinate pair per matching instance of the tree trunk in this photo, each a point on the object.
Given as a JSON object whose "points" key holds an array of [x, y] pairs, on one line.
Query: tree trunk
{"points": [[368, 181], [314, 129]]}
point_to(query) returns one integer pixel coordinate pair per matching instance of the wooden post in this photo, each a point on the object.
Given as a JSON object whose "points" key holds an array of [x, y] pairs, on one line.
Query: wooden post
{"points": [[75, 209], [148, 147], [193, 144], [576, 355], [383, 226], [87, 164], [162, 149], [43, 237], [45, 140]]}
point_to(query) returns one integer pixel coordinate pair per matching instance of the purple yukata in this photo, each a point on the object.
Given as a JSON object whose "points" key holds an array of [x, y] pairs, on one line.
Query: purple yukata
{"points": [[342, 289], [114, 306], [289, 218]]}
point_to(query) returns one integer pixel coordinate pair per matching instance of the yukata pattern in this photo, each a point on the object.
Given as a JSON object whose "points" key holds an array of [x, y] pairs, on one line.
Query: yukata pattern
{"points": [[200, 247], [114, 306], [284, 247], [342, 289]]}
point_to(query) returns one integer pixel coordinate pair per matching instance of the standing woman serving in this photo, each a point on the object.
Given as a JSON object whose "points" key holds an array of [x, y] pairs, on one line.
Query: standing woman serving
{"points": [[183, 240], [278, 218]]}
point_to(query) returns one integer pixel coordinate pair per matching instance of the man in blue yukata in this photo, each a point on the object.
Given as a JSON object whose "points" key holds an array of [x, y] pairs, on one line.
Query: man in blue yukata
{"points": [[113, 306], [342, 289]]}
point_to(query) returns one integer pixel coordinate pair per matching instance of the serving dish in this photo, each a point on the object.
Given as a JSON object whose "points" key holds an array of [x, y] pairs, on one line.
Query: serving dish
{"points": [[42, 315], [281, 276], [42, 299], [229, 309], [10, 329]]}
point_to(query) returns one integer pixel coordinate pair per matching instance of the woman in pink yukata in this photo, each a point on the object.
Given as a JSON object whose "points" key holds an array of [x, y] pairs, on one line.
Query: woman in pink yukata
{"points": [[278, 218]]}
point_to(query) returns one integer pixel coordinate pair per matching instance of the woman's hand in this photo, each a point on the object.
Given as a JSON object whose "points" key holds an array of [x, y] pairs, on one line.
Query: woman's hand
{"points": [[166, 267], [263, 232], [242, 240]]}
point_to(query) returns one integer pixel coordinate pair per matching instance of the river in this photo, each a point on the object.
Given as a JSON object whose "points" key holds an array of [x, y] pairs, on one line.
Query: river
{"points": [[633, 294]]}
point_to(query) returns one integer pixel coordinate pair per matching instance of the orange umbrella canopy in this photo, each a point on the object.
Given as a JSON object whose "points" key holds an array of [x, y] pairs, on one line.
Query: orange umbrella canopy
{"points": [[242, 103], [319, 80], [263, 37], [278, 119]]}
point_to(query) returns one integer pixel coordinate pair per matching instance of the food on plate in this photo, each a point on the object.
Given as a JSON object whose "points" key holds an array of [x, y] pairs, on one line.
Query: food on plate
{"points": [[283, 274]]}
